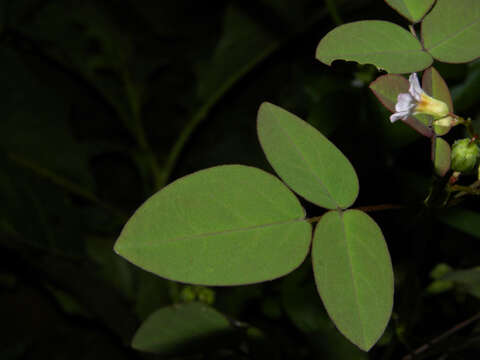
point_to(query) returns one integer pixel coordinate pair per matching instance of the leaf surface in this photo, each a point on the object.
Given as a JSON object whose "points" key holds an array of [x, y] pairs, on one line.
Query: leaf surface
{"points": [[381, 43], [305, 159], [451, 31], [227, 225], [413, 10], [354, 276]]}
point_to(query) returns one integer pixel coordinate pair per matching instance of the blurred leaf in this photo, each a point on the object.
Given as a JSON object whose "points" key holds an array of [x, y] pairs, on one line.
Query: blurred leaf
{"points": [[465, 95], [227, 225], [462, 219], [438, 285], [386, 45], [180, 327], [242, 42], [468, 279], [52, 218], [354, 275], [435, 86], [441, 156], [151, 293], [451, 31], [112, 268], [305, 159], [413, 10], [35, 122]]}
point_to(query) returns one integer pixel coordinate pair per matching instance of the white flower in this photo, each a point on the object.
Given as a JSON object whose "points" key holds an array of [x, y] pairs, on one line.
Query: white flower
{"points": [[416, 101]]}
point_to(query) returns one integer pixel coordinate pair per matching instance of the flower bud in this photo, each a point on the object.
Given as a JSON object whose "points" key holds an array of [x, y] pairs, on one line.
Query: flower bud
{"points": [[464, 155]]}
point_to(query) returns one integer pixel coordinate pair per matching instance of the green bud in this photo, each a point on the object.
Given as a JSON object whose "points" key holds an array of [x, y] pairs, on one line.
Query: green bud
{"points": [[206, 295], [464, 155], [188, 294]]}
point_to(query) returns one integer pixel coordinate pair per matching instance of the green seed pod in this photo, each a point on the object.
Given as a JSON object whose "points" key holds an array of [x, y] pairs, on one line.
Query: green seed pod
{"points": [[465, 154]]}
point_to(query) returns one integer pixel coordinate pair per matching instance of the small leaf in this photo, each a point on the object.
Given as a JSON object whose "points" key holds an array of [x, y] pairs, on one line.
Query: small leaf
{"points": [[354, 276], [227, 225], [451, 31], [381, 43], [172, 329], [435, 86], [387, 88], [305, 159], [413, 10], [441, 156]]}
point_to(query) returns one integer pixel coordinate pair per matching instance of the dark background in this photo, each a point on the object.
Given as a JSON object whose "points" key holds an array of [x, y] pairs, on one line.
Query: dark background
{"points": [[103, 102]]}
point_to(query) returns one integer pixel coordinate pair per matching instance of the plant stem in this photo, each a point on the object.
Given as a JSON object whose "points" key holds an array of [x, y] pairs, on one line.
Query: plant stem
{"points": [[446, 334], [65, 183], [334, 13]]}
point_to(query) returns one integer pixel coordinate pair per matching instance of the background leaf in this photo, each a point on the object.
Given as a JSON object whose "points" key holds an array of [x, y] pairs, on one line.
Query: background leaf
{"points": [[413, 10], [305, 159], [381, 43], [441, 156], [451, 31], [226, 225], [465, 220], [354, 275], [178, 328]]}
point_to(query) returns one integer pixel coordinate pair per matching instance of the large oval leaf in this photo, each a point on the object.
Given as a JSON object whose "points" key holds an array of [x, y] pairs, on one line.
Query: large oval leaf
{"points": [[354, 276], [305, 159], [413, 10], [381, 43], [172, 329], [451, 31], [226, 225]]}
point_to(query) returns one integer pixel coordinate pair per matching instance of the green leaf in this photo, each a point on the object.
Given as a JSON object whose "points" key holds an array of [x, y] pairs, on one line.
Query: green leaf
{"points": [[354, 276], [381, 43], [441, 156], [305, 159], [227, 225], [451, 31], [413, 10], [172, 329], [387, 88], [435, 86]]}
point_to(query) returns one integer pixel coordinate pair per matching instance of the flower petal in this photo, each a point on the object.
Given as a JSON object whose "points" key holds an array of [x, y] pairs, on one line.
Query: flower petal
{"points": [[402, 115], [415, 89], [405, 102]]}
